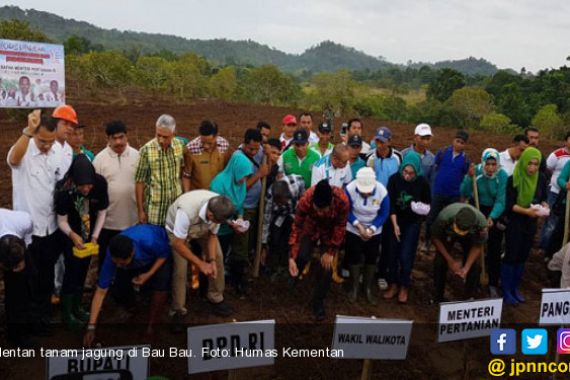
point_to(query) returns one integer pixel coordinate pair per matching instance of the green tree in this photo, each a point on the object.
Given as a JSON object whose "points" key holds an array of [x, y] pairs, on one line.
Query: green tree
{"points": [[152, 73], [105, 70], [21, 31], [223, 84], [80, 45], [549, 122], [470, 104], [335, 90], [497, 123], [268, 85], [186, 80], [444, 84]]}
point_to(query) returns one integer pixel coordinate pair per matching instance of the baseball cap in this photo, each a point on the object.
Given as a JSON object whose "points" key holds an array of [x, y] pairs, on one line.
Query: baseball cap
{"points": [[325, 128], [383, 134], [365, 180], [423, 129], [354, 140], [289, 119], [300, 137]]}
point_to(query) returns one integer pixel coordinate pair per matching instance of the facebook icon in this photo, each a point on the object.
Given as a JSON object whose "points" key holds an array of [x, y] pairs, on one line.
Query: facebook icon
{"points": [[503, 342]]}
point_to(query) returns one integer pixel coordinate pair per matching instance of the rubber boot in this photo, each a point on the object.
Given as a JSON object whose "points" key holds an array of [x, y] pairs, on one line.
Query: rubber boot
{"points": [[507, 280], [157, 305], [78, 310], [238, 278], [355, 271], [71, 322], [518, 274], [369, 277]]}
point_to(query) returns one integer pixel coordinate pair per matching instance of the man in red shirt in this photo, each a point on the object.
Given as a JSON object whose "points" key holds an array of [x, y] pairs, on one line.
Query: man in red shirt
{"points": [[321, 216]]}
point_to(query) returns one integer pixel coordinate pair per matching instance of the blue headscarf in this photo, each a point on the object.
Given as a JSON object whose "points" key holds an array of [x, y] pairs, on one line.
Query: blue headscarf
{"points": [[489, 153], [230, 183]]}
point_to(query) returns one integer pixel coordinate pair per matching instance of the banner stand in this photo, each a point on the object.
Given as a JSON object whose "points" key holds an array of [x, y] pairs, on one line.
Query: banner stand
{"points": [[366, 370]]}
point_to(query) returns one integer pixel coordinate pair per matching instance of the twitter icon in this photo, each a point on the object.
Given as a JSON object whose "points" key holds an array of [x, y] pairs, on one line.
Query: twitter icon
{"points": [[534, 342]]}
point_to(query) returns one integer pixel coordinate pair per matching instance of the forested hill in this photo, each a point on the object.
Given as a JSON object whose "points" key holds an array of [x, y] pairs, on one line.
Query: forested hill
{"points": [[326, 56]]}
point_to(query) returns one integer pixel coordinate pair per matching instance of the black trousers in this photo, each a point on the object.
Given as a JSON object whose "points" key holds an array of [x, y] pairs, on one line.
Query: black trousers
{"points": [[17, 292], [322, 276], [103, 241], [359, 251], [278, 254], [494, 243], [44, 252], [440, 272], [75, 271]]}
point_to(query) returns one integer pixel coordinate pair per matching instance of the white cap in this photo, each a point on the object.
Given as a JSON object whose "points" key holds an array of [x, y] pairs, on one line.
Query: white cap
{"points": [[365, 180], [423, 129]]}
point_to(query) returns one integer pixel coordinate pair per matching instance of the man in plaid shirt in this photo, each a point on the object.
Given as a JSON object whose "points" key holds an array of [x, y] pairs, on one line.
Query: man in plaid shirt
{"points": [[280, 204], [159, 173], [321, 216], [196, 146]]}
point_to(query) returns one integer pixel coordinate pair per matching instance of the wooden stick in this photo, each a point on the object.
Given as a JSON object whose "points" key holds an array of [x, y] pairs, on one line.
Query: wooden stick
{"points": [[261, 213], [366, 370], [484, 278]]}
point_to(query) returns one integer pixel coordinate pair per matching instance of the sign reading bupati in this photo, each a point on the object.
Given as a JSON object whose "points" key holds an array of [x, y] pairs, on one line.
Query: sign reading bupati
{"points": [[369, 338], [231, 346], [32, 74], [100, 363], [555, 307], [467, 320]]}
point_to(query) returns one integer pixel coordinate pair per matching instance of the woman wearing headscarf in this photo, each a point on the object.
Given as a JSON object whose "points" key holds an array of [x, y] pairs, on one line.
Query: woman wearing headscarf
{"points": [[525, 203], [491, 188], [232, 183], [410, 197], [81, 202]]}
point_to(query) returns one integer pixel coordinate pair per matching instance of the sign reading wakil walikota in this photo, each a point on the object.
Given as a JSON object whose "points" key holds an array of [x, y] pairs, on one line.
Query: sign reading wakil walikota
{"points": [[555, 307], [231, 346], [467, 320], [32, 74], [370, 338]]}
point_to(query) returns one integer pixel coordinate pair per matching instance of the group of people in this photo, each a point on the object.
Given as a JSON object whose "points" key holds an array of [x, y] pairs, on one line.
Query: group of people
{"points": [[29, 95], [351, 211]]}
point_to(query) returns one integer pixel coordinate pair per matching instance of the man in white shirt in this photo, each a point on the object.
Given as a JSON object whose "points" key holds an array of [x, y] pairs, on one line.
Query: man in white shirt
{"points": [[24, 96], [197, 215], [355, 127], [333, 167], [289, 128], [15, 234], [36, 167], [117, 163], [306, 122], [510, 156]]}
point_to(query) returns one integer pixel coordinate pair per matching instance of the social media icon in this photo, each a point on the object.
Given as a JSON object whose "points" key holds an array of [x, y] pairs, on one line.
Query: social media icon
{"points": [[534, 341], [563, 341], [503, 342]]}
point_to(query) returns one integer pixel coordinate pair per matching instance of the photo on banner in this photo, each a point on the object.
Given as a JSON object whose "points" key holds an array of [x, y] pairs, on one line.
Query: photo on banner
{"points": [[32, 74]]}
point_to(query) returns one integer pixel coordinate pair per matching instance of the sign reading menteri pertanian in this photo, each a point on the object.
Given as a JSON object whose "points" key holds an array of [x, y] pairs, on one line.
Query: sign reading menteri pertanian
{"points": [[100, 363], [32, 74], [467, 320], [555, 307], [231, 345], [370, 338]]}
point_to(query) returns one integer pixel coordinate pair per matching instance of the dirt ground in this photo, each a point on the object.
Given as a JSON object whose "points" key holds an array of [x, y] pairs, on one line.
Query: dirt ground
{"points": [[266, 300]]}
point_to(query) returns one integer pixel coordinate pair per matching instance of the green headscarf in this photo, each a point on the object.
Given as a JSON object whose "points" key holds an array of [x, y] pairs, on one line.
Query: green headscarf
{"points": [[414, 160], [524, 183], [227, 182]]}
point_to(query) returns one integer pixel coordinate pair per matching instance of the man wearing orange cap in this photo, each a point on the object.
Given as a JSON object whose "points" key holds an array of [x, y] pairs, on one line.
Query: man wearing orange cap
{"points": [[289, 127], [66, 121]]}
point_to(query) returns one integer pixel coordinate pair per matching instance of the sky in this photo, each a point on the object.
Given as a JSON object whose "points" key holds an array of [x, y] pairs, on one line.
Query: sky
{"points": [[509, 33]]}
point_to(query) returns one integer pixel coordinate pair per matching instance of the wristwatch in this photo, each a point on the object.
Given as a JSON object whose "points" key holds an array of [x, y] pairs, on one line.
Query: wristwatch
{"points": [[26, 133], [91, 327]]}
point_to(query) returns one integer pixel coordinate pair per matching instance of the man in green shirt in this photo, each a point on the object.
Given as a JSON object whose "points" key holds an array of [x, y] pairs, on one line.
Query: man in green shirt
{"points": [[77, 139], [298, 159], [324, 145], [462, 223]]}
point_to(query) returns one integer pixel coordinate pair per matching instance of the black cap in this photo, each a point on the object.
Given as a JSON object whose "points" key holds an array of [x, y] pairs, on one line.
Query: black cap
{"points": [[354, 140], [462, 134], [325, 128], [300, 137]]}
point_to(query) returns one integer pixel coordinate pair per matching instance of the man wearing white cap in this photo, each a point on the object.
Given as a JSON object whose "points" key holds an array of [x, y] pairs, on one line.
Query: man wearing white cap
{"points": [[422, 141], [369, 209]]}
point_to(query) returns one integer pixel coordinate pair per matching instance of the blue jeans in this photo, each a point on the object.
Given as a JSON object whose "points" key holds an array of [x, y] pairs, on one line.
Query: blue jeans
{"points": [[550, 223], [403, 254]]}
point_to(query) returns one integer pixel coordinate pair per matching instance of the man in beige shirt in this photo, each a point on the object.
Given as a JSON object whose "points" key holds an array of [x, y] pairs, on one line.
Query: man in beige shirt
{"points": [[197, 215], [118, 164]]}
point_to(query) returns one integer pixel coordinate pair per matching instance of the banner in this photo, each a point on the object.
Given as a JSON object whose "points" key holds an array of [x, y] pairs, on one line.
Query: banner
{"points": [[117, 363], [32, 74], [467, 320], [555, 307], [231, 346], [369, 338]]}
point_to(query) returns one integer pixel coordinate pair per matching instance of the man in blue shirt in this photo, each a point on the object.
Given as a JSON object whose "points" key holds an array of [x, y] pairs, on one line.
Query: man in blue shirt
{"points": [[139, 256]]}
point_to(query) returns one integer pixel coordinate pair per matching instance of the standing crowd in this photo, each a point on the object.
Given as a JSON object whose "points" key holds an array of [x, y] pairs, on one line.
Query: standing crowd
{"points": [[181, 214]]}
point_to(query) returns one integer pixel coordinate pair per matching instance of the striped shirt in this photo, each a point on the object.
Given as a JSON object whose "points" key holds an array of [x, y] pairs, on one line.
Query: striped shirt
{"points": [[160, 171], [195, 146]]}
